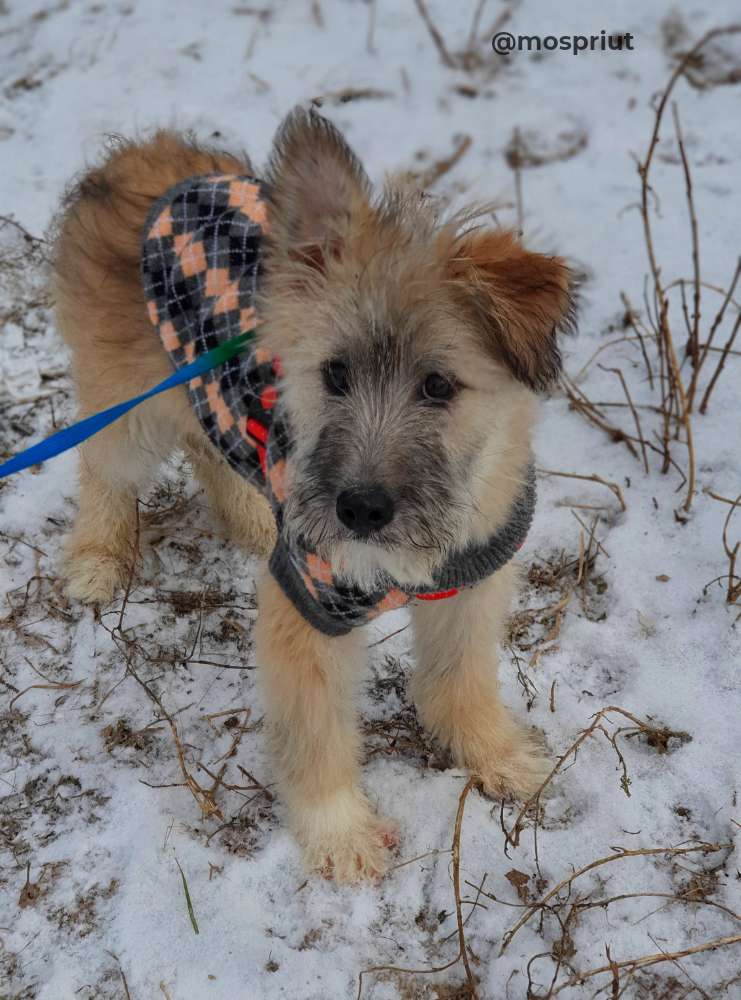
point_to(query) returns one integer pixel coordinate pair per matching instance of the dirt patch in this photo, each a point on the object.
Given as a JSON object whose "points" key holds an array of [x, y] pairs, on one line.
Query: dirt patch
{"points": [[81, 918]]}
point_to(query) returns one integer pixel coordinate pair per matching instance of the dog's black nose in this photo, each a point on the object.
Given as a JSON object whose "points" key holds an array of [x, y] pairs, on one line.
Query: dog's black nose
{"points": [[365, 510]]}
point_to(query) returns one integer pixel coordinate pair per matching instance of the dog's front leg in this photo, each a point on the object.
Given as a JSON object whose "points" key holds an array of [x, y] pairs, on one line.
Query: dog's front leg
{"points": [[456, 690], [309, 681]]}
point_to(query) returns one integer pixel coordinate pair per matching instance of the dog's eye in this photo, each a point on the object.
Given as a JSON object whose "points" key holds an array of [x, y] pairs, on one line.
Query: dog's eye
{"points": [[438, 388], [336, 378]]}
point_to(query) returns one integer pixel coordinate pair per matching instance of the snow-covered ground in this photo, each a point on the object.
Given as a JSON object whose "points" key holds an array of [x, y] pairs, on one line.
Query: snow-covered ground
{"points": [[92, 899]]}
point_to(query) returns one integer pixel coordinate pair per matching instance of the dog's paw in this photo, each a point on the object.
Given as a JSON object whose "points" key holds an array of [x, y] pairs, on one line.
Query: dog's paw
{"points": [[93, 575], [343, 839], [516, 768], [358, 855]]}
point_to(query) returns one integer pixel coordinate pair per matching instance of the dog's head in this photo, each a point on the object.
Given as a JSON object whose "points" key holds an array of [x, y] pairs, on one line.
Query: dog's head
{"points": [[410, 349]]}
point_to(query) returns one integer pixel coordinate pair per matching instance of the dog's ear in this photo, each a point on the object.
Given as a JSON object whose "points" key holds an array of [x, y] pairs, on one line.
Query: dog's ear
{"points": [[520, 301], [315, 186]]}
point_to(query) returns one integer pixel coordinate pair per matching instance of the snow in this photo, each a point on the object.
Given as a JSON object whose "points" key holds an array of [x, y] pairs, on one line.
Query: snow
{"points": [[100, 845]]}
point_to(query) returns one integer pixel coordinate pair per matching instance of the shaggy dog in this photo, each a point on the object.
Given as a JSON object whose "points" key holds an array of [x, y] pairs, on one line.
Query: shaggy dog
{"points": [[410, 349]]}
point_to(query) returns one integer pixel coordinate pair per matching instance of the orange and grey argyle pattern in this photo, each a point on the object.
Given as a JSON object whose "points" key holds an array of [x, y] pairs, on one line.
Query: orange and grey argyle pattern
{"points": [[200, 271], [200, 266]]}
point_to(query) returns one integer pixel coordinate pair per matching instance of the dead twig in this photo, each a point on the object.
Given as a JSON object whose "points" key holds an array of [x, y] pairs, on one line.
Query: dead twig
{"points": [[441, 167], [614, 343], [435, 35], [51, 686], [418, 857], [694, 341], [514, 158], [370, 45], [646, 960], [457, 886], [632, 318], [634, 412], [386, 638], [122, 974], [348, 94], [8, 220], [22, 541], [733, 593], [476, 54], [717, 496], [721, 362], [316, 13], [676, 402], [128, 646], [204, 797], [617, 856], [591, 904], [658, 735], [613, 487], [580, 402], [728, 297], [475, 25], [462, 948]]}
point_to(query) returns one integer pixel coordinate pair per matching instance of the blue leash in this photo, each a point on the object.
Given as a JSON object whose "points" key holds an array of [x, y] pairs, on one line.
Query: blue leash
{"points": [[70, 437]]}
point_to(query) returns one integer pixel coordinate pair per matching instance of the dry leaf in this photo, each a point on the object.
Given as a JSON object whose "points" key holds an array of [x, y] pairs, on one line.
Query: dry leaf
{"points": [[519, 881]]}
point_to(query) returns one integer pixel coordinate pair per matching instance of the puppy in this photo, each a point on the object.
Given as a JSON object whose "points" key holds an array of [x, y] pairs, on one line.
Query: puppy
{"points": [[406, 352]]}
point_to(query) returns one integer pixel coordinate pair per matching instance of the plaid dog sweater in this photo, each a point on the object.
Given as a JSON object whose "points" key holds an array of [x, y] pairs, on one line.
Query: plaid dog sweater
{"points": [[200, 269]]}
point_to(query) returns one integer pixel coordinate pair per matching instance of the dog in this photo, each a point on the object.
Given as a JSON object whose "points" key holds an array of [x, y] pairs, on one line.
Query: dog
{"points": [[407, 352]]}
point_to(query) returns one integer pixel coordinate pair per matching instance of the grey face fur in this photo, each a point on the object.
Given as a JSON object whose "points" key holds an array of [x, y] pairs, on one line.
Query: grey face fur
{"points": [[383, 432]]}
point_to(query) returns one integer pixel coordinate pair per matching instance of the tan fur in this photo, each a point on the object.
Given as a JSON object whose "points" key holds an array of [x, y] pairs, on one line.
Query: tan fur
{"points": [[309, 682], [519, 296], [336, 263], [100, 313], [456, 689]]}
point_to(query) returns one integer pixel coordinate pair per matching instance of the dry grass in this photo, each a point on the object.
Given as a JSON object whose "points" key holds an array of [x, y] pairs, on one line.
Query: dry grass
{"points": [[675, 334], [534, 631], [137, 656], [476, 56], [655, 331]]}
